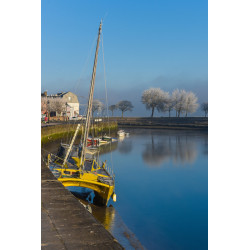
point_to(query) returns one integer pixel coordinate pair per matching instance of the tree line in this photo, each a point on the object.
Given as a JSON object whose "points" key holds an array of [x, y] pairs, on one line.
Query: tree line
{"points": [[123, 106], [182, 101]]}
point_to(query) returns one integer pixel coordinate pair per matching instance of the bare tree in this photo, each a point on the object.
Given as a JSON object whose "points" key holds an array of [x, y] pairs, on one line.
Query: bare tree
{"points": [[191, 104], [179, 101], [153, 98], [175, 100], [204, 107], [59, 105], [44, 104], [125, 106], [112, 108], [97, 106], [50, 106], [168, 104]]}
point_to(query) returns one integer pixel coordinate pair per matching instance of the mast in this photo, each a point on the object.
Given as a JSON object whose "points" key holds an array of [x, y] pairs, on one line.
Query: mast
{"points": [[89, 110]]}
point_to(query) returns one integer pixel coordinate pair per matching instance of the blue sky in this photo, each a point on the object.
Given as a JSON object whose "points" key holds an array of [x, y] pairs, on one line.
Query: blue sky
{"points": [[146, 44]]}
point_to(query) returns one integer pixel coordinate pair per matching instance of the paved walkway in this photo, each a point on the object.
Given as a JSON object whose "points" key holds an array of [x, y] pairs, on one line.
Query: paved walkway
{"points": [[66, 224]]}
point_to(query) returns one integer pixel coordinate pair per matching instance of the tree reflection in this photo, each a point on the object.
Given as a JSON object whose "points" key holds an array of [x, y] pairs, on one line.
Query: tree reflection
{"points": [[155, 153], [125, 147], [185, 150], [180, 149], [205, 149]]}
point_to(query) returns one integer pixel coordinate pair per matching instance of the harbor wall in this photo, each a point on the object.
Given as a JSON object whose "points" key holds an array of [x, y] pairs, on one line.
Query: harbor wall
{"points": [[57, 131], [163, 122]]}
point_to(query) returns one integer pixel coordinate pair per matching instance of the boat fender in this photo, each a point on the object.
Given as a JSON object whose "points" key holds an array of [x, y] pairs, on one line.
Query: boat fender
{"points": [[114, 197]]}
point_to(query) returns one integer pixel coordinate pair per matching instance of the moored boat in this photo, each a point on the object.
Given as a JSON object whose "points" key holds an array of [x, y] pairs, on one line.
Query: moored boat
{"points": [[96, 141], [121, 132], [75, 166], [106, 138]]}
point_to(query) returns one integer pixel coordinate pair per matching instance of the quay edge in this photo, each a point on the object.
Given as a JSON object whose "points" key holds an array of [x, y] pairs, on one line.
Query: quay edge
{"points": [[65, 222]]}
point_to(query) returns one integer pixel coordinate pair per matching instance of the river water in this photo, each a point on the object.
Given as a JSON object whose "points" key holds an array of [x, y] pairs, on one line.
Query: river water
{"points": [[162, 190]]}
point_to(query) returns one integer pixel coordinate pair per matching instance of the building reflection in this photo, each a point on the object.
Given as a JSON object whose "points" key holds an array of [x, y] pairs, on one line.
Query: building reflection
{"points": [[179, 149]]}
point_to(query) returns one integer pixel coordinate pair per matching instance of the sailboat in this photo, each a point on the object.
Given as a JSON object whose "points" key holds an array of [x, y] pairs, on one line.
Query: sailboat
{"points": [[77, 166]]}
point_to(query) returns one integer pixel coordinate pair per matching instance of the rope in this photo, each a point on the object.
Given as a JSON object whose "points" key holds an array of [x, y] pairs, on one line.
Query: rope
{"points": [[105, 82], [86, 62], [74, 89], [104, 70]]}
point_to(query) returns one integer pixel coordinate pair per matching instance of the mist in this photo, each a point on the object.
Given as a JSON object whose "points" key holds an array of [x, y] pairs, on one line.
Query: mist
{"points": [[118, 90]]}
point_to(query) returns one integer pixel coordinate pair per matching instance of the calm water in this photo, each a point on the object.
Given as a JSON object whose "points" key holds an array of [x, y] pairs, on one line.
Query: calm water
{"points": [[162, 187]]}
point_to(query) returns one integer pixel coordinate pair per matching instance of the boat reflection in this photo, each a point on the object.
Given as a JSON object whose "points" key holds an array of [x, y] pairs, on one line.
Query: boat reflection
{"points": [[176, 148], [109, 147], [113, 222]]}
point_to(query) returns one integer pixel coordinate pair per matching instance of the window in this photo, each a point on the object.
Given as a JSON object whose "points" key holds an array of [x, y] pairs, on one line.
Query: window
{"points": [[69, 98]]}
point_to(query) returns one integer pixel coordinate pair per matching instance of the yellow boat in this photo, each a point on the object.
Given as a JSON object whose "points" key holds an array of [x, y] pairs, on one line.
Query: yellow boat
{"points": [[78, 170], [95, 177]]}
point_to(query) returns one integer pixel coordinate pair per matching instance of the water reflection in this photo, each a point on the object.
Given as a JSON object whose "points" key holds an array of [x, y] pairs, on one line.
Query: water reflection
{"points": [[172, 213], [205, 149], [125, 146], [109, 147], [179, 149], [112, 221]]}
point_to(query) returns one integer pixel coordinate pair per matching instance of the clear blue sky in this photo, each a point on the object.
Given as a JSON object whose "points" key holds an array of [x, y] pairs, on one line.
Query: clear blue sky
{"points": [[146, 44]]}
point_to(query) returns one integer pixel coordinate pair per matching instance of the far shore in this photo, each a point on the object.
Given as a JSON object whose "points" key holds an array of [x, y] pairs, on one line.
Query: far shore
{"points": [[200, 123]]}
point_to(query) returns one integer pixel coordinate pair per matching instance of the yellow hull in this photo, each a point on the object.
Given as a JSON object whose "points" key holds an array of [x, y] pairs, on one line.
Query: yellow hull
{"points": [[93, 179], [102, 191]]}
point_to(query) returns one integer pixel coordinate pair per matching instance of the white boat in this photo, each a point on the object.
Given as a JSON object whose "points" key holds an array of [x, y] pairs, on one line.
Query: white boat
{"points": [[121, 133]]}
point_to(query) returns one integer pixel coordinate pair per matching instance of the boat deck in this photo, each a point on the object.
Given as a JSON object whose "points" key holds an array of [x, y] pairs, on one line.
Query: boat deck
{"points": [[87, 167]]}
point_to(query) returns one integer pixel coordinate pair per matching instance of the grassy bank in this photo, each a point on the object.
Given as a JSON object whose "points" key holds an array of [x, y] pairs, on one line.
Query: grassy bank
{"points": [[51, 133]]}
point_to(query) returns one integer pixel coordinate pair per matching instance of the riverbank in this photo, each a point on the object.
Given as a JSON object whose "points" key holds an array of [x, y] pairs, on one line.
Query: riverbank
{"points": [[66, 224], [196, 123], [59, 130]]}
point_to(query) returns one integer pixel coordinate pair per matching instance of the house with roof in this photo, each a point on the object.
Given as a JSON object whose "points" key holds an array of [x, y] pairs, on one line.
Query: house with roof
{"points": [[68, 101]]}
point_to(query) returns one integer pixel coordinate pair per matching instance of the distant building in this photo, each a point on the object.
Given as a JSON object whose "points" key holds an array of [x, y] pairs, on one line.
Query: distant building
{"points": [[70, 104]]}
